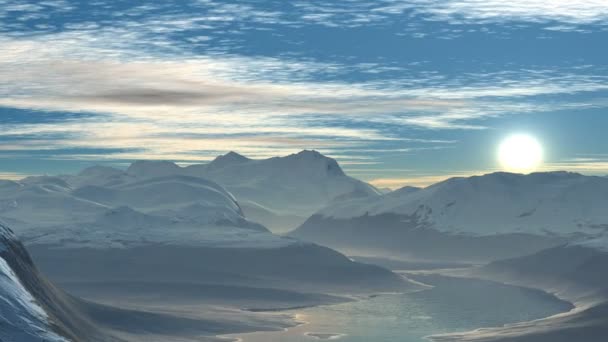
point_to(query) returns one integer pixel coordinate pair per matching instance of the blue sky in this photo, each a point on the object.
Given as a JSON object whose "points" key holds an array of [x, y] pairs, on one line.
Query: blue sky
{"points": [[399, 91]]}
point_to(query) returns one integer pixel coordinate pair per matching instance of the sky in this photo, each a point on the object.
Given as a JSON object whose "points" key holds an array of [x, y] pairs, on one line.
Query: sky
{"points": [[400, 92]]}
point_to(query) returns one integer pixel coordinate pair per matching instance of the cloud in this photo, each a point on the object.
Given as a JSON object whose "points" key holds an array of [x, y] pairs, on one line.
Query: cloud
{"points": [[221, 22], [178, 107], [572, 12], [589, 165], [48, 71]]}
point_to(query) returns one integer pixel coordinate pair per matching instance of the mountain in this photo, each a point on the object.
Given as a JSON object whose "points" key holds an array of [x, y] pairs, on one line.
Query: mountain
{"points": [[151, 169], [102, 233], [97, 175], [227, 160], [481, 218], [37, 201], [170, 209], [308, 179], [36, 205], [22, 317]]}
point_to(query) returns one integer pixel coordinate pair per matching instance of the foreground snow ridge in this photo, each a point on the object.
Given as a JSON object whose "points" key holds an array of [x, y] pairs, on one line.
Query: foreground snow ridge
{"points": [[21, 318]]}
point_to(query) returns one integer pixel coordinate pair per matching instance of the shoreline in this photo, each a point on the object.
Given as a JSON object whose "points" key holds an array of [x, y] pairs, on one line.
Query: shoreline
{"points": [[231, 337], [446, 273], [489, 333]]}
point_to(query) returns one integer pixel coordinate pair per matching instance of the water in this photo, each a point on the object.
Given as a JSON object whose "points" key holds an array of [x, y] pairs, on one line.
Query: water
{"points": [[454, 304]]}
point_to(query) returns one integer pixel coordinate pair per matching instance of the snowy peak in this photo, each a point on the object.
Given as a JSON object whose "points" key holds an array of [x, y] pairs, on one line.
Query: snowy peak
{"points": [[151, 168], [307, 163], [314, 163], [310, 154], [229, 158], [303, 161], [308, 179]]}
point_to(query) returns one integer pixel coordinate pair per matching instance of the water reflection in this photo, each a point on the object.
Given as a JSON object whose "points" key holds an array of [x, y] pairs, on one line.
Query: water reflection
{"points": [[453, 304]]}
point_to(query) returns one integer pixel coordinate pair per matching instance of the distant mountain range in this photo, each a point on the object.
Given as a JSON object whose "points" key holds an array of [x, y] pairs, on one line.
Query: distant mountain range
{"points": [[479, 218], [279, 192]]}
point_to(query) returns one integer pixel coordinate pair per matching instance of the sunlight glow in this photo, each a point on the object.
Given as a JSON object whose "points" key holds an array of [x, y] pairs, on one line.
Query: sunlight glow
{"points": [[520, 153]]}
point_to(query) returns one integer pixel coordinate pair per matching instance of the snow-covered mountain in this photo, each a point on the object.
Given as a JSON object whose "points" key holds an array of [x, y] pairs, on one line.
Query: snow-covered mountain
{"points": [[44, 201], [160, 226], [165, 209], [32, 309], [134, 208], [282, 190], [491, 216], [23, 319], [309, 180]]}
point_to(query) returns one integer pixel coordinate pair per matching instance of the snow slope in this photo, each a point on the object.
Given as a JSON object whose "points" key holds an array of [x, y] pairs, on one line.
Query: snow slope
{"points": [[124, 227], [499, 215], [88, 210], [540, 203], [21, 317], [44, 200]]}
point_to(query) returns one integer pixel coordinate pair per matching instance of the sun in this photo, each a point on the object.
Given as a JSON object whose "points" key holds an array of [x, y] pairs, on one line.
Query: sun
{"points": [[520, 153]]}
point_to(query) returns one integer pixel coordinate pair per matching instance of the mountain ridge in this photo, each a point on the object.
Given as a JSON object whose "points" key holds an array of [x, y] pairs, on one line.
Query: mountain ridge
{"points": [[510, 214]]}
